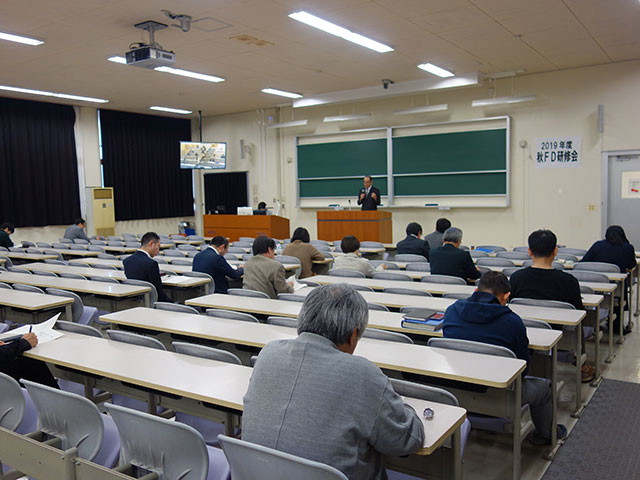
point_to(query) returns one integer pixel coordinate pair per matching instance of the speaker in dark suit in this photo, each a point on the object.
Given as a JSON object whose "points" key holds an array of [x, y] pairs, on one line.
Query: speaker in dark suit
{"points": [[369, 196], [140, 266], [211, 261]]}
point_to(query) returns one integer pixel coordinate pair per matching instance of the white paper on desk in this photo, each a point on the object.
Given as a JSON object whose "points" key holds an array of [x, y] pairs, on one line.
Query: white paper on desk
{"points": [[296, 284], [178, 279], [44, 331]]}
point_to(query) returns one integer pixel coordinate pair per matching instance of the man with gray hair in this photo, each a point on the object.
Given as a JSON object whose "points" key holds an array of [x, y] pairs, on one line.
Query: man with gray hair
{"points": [[313, 398], [450, 260]]}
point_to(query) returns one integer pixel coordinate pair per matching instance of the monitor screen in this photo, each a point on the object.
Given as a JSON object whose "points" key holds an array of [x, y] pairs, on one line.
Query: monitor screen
{"points": [[205, 155]]}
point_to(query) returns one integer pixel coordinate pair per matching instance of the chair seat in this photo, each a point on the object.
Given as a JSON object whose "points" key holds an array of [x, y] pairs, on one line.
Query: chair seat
{"points": [[218, 465], [88, 314], [207, 428], [109, 452]]}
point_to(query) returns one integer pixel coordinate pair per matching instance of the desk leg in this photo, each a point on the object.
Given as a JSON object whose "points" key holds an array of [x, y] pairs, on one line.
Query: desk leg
{"points": [[623, 297], [551, 453], [579, 363], [597, 379], [517, 440], [147, 302], [611, 356], [68, 313], [456, 438]]}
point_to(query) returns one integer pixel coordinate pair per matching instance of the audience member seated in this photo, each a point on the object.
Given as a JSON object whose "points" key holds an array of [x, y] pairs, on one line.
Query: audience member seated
{"points": [[6, 229], [18, 367], [211, 260], [615, 249], [262, 272], [413, 244], [351, 260], [261, 210], [296, 398], [142, 266], [542, 282], [484, 317], [76, 230], [450, 260], [303, 250], [434, 239]]}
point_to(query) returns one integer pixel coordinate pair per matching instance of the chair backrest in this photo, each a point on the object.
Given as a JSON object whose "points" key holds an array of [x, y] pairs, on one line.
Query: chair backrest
{"points": [[45, 273], [244, 243], [246, 256], [555, 265], [94, 241], [61, 246], [170, 449], [65, 240], [521, 249], [153, 294], [94, 248], [283, 321], [323, 248], [287, 259], [75, 420], [579, 252], [181, 261], [495, 262], [159, 259], [509, 271], [203, 351], [586, 276], [104, 267], [212, 284], [341, 272], [533, 323], [388, 264], [78, 246], [448, 279], [54, 262], [470, 346], [423, 392], [16, 249], [231, 315], [27, 288], [409, 257], [367, 244], [18, 270], [131, 244], [6, 285], [566, 256], [4, 249], [407, 291], [418, 267], [310, 283], [78, 328], [7, 261], [513, 255], [175, 307], [43, 245], [249, 461], [115, 243], [542, 303], [319, 242], [33, 250], [493, 248], [597, 267], [585, 289], [379, 334], [77, 307], [80, 241], [478, 254], [107, 256], [96, 278], [362, 288], [135, 339], [173, 253], [196, 238], [185, 247], [244, 292], [458, 296], [76, 276], [377, 306], [12, 403], [291, 297], [236, 250], [398, 277]]}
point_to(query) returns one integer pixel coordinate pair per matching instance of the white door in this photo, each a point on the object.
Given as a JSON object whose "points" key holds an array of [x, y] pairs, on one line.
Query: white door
{"points": [[622, 207]]}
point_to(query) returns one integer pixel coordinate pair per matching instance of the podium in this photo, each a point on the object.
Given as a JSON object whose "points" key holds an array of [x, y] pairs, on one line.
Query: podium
{"points": [[236, 226], [368, 225]]}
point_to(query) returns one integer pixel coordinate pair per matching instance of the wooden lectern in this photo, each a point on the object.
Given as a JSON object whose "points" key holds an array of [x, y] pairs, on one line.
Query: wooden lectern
{"points": [[236, 226], [368, 225]]}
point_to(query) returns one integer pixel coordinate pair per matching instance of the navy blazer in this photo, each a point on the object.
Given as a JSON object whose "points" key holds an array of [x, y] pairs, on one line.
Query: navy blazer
{"points": [[369, 203], [208, 261], [414, 245], [449, 260], [140, 266]]}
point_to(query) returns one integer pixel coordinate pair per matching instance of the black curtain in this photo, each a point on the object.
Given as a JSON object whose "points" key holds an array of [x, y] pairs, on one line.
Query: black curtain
{"points": [[38, 164], [141, 161], [226, 190]]}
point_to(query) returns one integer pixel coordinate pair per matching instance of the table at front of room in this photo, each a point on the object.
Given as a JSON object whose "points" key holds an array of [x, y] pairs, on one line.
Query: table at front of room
{"points": [[34, 303]]}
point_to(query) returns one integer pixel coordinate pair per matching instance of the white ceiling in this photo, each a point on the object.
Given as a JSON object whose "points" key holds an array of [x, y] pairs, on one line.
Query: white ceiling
{"points": [[464, 36]]}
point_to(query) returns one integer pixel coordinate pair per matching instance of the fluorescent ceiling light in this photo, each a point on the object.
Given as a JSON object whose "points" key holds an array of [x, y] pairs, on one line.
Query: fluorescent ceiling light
{"points": [[52, 94], [426, 109], [294, 123], [20, 39], [282, 93], [344, 118], [187, 73], [339, 31], [501, 101], [117, 59], [435, 70], [171, 110]]}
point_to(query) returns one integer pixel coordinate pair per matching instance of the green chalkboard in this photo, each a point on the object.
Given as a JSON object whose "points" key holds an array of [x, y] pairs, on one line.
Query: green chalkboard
{"points": [[343, 159], [338, 187], [460, 184]]}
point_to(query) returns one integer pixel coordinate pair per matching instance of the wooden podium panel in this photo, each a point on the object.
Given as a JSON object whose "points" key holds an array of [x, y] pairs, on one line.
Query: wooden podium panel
{"points": [[236, 226], [368, 225]]}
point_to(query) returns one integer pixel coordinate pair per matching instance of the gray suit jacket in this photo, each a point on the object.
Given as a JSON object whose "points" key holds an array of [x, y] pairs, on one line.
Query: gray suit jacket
{"points": [[265, 275], [309, 399], [74, 231], [434, 239]]}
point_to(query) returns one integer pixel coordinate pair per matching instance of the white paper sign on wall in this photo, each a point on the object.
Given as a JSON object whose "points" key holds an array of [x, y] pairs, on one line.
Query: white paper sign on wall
{"points": [[630, 184], [558, 152]]}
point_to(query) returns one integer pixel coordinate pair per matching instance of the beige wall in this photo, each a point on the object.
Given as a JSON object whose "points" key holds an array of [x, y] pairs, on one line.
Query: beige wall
{"points": [[558, 199]]}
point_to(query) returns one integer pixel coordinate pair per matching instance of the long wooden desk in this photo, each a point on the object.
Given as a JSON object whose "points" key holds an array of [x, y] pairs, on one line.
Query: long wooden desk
{"points": [[67, 253], [33, 303], [28, 257], [182, 376]]}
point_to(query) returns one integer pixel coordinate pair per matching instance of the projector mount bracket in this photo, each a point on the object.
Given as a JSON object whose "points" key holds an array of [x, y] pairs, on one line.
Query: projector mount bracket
{"points": [[151, 27]]}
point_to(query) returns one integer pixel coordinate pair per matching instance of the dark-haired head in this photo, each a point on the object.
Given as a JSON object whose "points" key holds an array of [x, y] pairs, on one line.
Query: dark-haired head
{"points": [[301, 234], [261, 245], [219, 241], [414, 229], [497, 284], [8, 227], [79, 221], [615, 235], [349, 244], [442, 224], [542, 243], [262, 206]]}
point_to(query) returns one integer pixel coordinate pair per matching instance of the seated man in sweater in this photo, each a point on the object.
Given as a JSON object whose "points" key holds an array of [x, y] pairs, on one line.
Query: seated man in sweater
{"points": [[449, 259], [76, 230], [18, 367], [542, 282], [312, 397], [351, 260], [413, 244], [484, 317], [263, 272], [142, 266], [211, 260]]}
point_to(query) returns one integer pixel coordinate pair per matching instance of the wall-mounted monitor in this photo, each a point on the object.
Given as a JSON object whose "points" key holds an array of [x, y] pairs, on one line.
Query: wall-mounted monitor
{"points": [[204, 155]]}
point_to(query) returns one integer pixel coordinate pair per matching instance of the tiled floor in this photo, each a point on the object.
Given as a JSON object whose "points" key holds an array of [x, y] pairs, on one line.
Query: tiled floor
{"points": [[488, 456]]}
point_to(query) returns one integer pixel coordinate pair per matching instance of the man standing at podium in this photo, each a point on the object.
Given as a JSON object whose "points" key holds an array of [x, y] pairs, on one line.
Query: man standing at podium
{"points": [[369, 196]]}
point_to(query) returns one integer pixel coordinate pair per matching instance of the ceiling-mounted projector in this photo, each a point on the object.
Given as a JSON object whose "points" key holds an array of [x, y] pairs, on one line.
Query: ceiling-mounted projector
{"points": [[151, 55]]}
